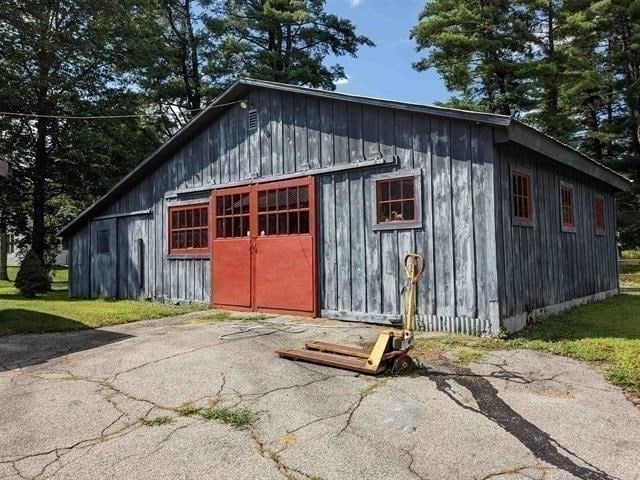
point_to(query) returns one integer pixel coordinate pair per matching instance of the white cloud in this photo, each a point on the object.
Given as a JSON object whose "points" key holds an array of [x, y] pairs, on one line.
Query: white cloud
{"points": [[354, 3], [343, 81]]}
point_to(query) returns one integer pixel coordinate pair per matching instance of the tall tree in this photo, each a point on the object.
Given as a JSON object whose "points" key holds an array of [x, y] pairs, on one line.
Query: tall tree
{"points": [[285, 41], [59, 58], [480, 49]]}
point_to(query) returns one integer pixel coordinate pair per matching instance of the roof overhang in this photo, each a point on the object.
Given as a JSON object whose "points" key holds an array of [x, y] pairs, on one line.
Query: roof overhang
{"points": [[537, 141]]}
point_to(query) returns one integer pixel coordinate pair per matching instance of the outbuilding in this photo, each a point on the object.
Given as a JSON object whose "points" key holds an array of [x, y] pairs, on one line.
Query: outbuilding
{"points": [[286, 199]]}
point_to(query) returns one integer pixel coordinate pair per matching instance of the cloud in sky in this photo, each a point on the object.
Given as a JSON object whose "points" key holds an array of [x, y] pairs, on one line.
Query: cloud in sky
{"points": [[354, 3], [342, 81]]}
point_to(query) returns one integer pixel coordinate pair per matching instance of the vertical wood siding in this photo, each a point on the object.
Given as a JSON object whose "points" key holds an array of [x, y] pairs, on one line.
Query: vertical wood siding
{"points": [[540, 265]]}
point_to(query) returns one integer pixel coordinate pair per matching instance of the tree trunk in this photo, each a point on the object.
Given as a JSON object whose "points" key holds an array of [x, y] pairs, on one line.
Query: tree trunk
{"points": [[40, 168], [4, 248]]}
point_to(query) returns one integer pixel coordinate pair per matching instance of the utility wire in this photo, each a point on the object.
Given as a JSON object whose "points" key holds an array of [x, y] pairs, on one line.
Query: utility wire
{"points": [[101, 117]]}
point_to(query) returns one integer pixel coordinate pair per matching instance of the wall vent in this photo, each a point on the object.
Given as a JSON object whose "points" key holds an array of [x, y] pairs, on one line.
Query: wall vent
{"points": [[253, 119]]}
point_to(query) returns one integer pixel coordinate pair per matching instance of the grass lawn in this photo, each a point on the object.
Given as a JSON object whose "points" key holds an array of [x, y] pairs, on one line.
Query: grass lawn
{"points": [[606, 333], [54, 311]]}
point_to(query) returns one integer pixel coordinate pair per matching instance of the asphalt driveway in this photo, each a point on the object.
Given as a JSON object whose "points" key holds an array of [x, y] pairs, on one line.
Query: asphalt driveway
{"points": [[81, 405]]}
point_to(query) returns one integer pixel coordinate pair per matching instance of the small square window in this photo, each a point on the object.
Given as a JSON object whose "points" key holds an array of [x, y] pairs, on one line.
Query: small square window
{"points": [[397, 200], [521, 193], [102, 241], [598, 210]]}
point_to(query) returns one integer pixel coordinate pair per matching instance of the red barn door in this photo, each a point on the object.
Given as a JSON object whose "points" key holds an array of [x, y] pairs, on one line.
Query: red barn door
{"points": [[264, 247]]}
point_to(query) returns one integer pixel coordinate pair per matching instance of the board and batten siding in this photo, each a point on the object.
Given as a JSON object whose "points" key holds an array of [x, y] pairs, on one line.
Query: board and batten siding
{"points": [[541, 265], [361, 275]]}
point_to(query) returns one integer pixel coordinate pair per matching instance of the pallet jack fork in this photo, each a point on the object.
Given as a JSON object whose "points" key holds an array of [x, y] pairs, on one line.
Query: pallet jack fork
{"points": [[391, 348]]}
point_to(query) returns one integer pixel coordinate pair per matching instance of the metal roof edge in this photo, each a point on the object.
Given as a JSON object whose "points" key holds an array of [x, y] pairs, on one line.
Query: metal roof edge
{"points": [[534, 139]]}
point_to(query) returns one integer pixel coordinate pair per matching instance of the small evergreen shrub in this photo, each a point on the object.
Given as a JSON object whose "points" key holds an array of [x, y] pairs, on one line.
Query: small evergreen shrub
{"points": [[32, 277]]}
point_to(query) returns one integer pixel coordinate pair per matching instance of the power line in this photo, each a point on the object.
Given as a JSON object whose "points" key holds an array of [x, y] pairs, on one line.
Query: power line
{"points": [[104, 117]]}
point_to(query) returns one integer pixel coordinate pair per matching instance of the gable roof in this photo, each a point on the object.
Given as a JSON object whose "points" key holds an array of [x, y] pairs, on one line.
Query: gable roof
{"points": [[515, 131]]}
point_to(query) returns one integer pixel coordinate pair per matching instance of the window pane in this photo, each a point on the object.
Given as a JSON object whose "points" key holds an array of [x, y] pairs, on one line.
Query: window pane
{"points": [[245, 225], [182, 219], [227, 205], [271, 224], [293, 223], [220, 228], [384, 213], [196, 218], [204, 217], [245, 203], [304, 222], [189, 239], [383, 191], [196, 239], [407, 188], [283, 204], [174, 240], [271, 200], [282, 224], [396, 211], [396, 189], [262, 201], [262, 224], [174, 219], [303, 197], [219, 206], [408, 210], [204, 238], [228, 232], [182, 240], [237, 227]]}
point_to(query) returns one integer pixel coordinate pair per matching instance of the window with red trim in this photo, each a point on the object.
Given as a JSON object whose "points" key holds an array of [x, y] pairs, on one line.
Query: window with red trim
{"points": [[598, 207], [189, 229], [568, 217], [283, 211], [521, 187], [396, 200]]}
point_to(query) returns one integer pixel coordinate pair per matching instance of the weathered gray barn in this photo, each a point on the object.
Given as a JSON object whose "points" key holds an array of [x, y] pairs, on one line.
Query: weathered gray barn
{"points": [[287, 199]]}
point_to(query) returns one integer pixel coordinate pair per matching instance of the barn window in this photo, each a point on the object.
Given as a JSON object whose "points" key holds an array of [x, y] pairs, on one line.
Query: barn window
{"points": [[568, 207], [232, 215], [283, 211], [102, 241], [397, 200], [189, 229], [521, 196], [598, 207]]}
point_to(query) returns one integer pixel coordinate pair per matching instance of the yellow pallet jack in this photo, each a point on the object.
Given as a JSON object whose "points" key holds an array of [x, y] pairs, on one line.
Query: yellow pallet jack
{"points": [[390, 350]]}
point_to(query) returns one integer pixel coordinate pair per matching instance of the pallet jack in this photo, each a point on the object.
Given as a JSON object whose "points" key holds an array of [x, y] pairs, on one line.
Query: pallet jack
{"points": [[391, 348]]}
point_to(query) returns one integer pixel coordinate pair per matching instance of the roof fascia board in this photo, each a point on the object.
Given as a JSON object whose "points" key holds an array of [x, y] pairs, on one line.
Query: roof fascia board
{"points": [[545, 145]]}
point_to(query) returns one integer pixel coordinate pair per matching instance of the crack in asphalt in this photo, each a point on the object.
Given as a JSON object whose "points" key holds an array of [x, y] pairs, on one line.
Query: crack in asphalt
{"points": [[520, 471]]}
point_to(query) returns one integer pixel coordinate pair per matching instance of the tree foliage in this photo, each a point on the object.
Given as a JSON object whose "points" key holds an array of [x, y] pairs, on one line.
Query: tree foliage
{"points": [[32, 277], [569, 67]]}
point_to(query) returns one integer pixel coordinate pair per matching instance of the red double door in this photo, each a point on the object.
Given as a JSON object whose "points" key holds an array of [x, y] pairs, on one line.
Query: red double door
{"points": [[264, 247]]}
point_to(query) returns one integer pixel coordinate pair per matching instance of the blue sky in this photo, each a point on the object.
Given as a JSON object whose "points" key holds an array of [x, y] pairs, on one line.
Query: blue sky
{"points": [[385, 71]]}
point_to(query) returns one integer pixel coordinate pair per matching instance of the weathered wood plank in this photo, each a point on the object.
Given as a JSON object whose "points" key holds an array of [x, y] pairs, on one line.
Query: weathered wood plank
{"points": [[264, 122], [300, 132], [288, 129], [313, 133], [357, 242], [343, 240]]}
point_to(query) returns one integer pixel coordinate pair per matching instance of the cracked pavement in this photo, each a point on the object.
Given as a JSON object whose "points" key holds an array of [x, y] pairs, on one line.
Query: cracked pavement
{"points": [[77, 405]]}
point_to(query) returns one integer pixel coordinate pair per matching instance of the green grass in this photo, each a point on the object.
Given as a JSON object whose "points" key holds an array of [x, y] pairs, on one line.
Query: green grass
{"points": [[54, 311], [158, 421], [606, 333], [630, 254], [238, 417]]}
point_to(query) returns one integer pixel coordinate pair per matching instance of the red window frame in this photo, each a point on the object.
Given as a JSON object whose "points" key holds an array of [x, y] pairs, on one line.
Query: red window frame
{"points": [[568, 206], [284, 210], [232, 214], [521, 195], [387, 200], [182, 232], [598, 211]]}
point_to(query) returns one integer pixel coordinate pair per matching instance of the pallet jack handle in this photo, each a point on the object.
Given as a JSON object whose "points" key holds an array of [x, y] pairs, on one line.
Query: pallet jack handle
{"points": [[414, 268]]}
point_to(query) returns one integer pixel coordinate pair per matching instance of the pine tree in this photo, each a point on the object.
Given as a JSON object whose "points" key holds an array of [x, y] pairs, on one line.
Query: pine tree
{"points": [[32, 277]]}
